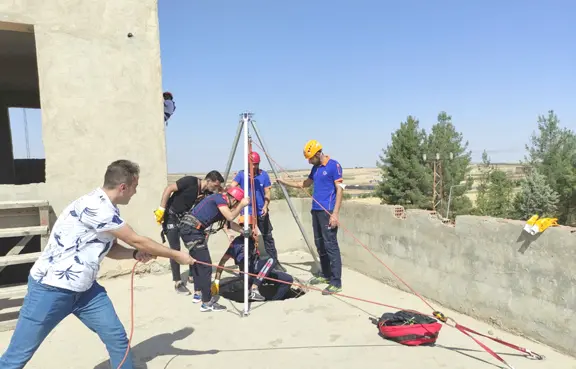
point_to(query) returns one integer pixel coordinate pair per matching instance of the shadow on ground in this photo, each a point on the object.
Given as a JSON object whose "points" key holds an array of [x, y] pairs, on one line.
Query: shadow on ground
{"points": [[160, 345]]}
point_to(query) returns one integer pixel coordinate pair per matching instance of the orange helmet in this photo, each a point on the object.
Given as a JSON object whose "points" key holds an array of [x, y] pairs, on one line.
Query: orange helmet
{"points": [[311, 148]]}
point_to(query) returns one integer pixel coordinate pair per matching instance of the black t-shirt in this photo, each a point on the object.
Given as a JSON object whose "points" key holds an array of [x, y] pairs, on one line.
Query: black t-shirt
{"points": [[183, 199]]}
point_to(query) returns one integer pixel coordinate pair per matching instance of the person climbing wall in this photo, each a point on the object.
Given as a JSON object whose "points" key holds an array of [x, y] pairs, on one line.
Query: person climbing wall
{"points": [[169, 106]]}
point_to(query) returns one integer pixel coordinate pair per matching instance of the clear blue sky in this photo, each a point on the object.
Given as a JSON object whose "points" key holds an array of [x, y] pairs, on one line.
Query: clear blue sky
{"points": [[348, 72]]}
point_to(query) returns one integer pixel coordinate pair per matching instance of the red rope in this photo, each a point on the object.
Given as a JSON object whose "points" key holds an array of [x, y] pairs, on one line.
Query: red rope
{"points": [[254, 215], [131, 315], [461, 328]]}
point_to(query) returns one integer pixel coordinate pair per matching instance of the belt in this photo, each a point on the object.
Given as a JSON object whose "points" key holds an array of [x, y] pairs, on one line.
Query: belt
{"points": [[190, 220], [177, 215]]}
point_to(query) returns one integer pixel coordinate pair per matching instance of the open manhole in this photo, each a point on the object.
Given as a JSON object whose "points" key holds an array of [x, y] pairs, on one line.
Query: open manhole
{"points": [[232, 288]]}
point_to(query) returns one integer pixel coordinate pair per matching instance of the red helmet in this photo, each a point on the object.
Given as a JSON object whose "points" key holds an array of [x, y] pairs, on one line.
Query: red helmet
{"points": [[254, 157], [236, 192]]}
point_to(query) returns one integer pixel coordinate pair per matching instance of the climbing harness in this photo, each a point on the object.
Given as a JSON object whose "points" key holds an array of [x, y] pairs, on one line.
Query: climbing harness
{"points": [[178, 216], [191, 221], [197, 244]]}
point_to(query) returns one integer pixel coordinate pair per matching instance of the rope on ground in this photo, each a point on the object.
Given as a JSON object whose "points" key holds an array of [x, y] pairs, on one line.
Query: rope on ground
{"points": [[435, 314]]}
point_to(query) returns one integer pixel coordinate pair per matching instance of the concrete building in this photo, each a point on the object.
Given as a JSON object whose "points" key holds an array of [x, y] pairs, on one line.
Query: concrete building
{"points": [[94, 70]]}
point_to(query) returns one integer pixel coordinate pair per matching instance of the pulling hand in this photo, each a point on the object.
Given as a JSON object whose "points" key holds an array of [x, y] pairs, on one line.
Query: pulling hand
{"points": [[245, 202], [333, 222], [183, 258], [264, 210], [143, 257]]}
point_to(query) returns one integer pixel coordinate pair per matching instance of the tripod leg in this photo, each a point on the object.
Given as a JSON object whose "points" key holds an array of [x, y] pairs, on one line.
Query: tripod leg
{"points": [[233, 151], [288, 199]]}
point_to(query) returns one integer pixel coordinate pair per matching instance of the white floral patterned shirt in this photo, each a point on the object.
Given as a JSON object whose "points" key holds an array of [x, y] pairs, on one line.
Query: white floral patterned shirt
{"points": [[78, 243]]}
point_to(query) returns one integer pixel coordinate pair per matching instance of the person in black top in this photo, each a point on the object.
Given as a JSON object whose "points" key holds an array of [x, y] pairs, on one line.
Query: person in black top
{"points": [[177, 199]]}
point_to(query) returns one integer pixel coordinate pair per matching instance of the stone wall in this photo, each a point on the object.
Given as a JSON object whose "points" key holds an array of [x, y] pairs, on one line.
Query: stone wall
{"points": [[484, 267]]}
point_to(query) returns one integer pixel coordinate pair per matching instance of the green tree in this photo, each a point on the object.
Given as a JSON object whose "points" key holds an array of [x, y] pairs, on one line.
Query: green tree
{"points": [[495, 191], [405, 179], [535, 197], [445, 140], [484, 169], [552, 151]]}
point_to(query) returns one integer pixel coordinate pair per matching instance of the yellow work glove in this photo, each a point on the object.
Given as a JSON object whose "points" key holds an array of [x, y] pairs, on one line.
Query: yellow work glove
{"points": [[215, 288], [159, 214]]}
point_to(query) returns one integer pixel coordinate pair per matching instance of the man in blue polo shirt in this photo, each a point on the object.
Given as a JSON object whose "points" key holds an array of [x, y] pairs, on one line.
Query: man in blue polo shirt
{"points": [[326, 175], [262, 187]]}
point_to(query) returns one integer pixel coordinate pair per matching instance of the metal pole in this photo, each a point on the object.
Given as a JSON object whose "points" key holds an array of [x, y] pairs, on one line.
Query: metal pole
{"points": [[233, 151], [287, 197], [245, 120], [450, 198]]}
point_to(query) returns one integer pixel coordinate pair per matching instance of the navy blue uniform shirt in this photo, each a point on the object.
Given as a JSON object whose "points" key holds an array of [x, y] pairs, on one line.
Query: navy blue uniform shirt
{"points": [[207, 211]]}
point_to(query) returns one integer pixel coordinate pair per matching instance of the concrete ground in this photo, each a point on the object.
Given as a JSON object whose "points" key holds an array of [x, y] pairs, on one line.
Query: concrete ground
{"points": [[312, 331]]}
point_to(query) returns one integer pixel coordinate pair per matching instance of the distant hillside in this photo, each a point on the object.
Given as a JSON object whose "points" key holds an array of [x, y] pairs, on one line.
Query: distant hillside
{"points": [[364, 176]]}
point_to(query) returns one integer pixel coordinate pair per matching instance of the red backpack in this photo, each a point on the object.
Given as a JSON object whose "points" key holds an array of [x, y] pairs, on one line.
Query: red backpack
{"points": [[409, 328]]}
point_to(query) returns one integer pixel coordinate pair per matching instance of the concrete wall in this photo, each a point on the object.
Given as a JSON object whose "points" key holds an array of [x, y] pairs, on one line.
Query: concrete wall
{"points": [[483, 267], [101, 98]]}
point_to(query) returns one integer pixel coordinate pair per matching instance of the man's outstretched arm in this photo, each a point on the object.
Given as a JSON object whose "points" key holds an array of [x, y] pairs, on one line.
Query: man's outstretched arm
{"points": [[307, 183], [120, 252], [149, 246]]}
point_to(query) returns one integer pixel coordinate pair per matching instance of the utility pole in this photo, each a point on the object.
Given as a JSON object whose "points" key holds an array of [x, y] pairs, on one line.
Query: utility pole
{"points": [[437, 184], [450, 198]]}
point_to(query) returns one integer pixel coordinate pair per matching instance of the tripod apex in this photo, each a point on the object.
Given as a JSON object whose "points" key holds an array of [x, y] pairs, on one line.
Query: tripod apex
{"points": [[246, 115]]}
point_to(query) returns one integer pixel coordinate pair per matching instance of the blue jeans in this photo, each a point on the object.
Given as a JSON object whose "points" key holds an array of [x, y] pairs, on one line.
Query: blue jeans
{"points": [[45, 306], [326, 242]]}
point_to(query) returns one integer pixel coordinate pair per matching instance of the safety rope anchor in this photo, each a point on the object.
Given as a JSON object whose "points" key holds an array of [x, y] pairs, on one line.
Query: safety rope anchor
{"points": [[534, 356], [440, 316]]}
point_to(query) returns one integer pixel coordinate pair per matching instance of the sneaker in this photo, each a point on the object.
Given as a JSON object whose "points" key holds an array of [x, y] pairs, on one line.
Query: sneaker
{"points": [[197, 297], [181, 289], [318, 280], [331, 290], [256, 296], [212, 306]]}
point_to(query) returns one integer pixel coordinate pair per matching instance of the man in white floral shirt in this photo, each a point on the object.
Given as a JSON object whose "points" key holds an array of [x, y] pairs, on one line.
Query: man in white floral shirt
{"points": [[63, 279]]}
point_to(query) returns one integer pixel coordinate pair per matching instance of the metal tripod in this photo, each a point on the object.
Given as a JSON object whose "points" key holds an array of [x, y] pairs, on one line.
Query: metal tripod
{"points": [[247, 117]]}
